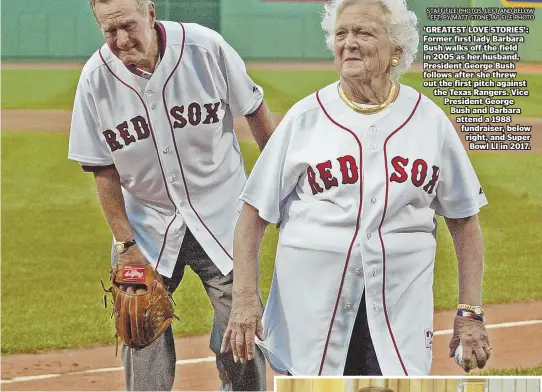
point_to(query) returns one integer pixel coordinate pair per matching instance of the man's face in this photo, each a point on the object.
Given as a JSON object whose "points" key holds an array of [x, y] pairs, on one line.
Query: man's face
{"points": [[127, 31]]}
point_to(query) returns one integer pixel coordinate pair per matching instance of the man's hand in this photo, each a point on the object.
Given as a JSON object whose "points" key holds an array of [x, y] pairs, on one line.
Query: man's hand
{"points": [[472, 336], [245, 323], [132, 256]]}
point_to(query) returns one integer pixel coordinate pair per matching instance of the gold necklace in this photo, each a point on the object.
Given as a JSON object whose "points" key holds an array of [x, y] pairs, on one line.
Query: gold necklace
{"points": [[378, 108]]}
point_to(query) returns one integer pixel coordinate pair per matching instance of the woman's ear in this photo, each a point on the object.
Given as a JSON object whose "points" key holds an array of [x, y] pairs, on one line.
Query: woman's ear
{"points": [[152, 13]]}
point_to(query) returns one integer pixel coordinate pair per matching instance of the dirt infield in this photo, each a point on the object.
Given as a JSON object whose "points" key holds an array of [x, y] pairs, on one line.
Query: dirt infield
{"points": [[514, 345], [59, 121]]}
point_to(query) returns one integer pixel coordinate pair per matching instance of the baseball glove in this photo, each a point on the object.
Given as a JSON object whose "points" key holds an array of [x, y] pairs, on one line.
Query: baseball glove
{"points": [[143, 316]]}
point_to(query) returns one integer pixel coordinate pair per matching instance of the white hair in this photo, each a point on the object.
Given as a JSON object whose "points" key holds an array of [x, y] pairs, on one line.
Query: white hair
{"points": [[142, 5], [400, 22]]}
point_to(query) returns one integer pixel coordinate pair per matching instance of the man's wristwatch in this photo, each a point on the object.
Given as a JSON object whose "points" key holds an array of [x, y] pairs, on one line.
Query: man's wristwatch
{"points": [[122, 247], [478, 310]]}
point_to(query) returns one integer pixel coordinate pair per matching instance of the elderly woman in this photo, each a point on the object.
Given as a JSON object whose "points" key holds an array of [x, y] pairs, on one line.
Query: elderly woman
{"points": [[355, 175]]}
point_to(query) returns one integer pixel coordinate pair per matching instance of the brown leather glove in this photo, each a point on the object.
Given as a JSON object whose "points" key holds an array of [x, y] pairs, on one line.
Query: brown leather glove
{"points": [[472, 336], [145, 310]]}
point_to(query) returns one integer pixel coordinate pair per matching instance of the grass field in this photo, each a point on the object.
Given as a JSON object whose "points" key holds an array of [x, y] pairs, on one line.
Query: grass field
{"points": [[282, 89], [534, 371], [55, 242], [55, 246]]}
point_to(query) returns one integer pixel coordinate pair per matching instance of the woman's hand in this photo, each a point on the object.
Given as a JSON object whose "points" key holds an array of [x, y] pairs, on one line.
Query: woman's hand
{"points": [[244, 324], [472, 336]]}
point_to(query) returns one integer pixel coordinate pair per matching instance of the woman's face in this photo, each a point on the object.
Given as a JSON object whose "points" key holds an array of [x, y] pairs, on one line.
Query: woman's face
{"points": [[362, 45]]}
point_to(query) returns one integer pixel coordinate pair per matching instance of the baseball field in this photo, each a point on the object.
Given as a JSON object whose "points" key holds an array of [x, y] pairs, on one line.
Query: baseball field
{"points": [[56, 334]]}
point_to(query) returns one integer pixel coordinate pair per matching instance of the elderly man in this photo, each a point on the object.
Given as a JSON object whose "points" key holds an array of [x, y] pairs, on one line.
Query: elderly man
{"points": [[356, 174], [153, 121]]}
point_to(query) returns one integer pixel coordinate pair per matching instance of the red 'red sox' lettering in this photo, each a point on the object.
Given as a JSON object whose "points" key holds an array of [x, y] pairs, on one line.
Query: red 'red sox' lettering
{"points": [[123, 131], [192, 114], [349, 169], [418, 173], [321, 173], [140, 126], [325, 174], [434, 178], [349, 172], [399, 164], [311, 176]]}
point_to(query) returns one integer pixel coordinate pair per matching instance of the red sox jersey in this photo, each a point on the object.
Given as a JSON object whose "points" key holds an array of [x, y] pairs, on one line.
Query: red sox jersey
{"points": [[356, 197], [170, 136]]}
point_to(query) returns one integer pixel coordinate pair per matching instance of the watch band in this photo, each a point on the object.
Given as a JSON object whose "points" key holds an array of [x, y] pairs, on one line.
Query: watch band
{"points": [[470, 308], [121, 247], [466, 313]]}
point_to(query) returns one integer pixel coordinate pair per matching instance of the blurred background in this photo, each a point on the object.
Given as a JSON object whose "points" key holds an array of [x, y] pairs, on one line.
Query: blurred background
{"points": [[257, 29], [410, 385], [56, 334]]}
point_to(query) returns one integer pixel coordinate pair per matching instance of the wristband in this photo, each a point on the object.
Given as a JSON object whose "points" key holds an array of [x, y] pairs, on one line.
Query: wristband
{"points": [[122, 247], [465, 313], [474, 309]]}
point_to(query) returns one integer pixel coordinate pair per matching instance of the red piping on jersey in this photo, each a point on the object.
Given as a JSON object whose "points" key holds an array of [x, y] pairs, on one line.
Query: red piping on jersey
{"points": [[156, 148], [177, 151], [355, 233], [382, 241], [162, 37]]}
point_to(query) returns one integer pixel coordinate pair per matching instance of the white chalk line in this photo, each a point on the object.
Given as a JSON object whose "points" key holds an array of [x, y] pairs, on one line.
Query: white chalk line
{"points": [[495, 326], [212, 359], [103, 370]]}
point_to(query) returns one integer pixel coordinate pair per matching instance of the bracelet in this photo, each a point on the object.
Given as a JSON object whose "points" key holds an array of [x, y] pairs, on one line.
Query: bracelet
{"points": [[465, 313], [474, 309]]}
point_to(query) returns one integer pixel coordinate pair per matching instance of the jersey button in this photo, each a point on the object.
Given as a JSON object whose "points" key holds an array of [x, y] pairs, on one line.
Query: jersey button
{"points": [[150, 92], [181, 204], [348, 306], [166, 150], [373, 146], [357, 272], [173, 178], [374, 307], [153, 106], [372, 129], [368, 236], [374, 272], [373, 200]]}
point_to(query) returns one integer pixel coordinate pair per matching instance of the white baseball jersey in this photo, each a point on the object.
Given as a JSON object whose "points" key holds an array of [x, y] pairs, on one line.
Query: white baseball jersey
{"points": [[356, 196], [171, 139]]}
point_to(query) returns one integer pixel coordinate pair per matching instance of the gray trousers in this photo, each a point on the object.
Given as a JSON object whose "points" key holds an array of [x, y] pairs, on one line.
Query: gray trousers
{"points": [[153, 367]]}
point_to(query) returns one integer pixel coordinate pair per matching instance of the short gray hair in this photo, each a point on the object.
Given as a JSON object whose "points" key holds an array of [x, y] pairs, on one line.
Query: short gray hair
{"points": [[142, 5], [400, 22]]}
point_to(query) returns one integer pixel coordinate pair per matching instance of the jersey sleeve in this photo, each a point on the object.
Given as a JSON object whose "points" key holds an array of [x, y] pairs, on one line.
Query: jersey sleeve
{"points": [[87, 145], [274, 176], [239, 91], [459, 193]]}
